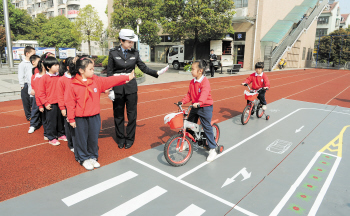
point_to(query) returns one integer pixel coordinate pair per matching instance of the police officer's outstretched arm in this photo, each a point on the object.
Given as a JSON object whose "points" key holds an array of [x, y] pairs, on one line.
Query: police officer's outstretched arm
{"points": [[143, 67]]}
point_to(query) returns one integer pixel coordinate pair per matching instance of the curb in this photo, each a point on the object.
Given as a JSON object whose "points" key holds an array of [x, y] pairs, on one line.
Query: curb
{"points": [[4, 94], [141, 79]]}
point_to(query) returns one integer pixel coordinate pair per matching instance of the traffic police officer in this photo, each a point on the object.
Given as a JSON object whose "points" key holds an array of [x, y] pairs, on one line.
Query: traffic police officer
{"points": [[212, 58], [122, 60]]}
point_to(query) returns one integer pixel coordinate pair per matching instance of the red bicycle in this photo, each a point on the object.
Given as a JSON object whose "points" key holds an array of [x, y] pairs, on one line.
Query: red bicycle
{"points": [[179, 148], [253, 106]]}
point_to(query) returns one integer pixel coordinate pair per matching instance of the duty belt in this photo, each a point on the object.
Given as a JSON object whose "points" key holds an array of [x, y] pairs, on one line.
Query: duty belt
{"points": [[120, 74]]}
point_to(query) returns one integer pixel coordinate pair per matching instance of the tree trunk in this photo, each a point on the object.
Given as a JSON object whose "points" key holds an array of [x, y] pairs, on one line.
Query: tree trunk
{"points": [[89, 47], [195, 45]]}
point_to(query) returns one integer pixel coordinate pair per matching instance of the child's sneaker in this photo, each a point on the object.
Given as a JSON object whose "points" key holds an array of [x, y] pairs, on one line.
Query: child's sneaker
{"points": [[87, 165], [31, 130], [63, 138], [212, 155], [72, 149], [54, 142], [45, 138], [95, 163], [264, 107]]}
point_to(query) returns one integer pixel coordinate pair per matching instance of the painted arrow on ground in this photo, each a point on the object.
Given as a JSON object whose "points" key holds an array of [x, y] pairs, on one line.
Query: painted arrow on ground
{"points": [[298, 130], [244, 173]]}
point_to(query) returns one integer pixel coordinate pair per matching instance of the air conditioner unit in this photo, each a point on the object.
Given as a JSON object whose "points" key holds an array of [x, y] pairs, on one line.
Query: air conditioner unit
{"points": [[241, 12]]}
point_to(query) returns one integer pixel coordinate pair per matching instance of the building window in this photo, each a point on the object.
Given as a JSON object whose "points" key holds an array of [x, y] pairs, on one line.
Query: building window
{"points": [[337, 22], [323, 20], [338, 11], [304, 52], [62, 11], [241, 3], [321, 32]]}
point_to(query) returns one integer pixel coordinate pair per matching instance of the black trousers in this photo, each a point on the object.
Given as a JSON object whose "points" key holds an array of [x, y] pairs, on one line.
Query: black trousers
{"points": [[212, 70], [68, 130], [85, 137], [54, 122], [130, 102], [26, 101]]}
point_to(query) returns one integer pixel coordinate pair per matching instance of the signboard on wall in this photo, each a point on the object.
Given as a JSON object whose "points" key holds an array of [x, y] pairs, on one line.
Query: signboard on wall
{"points": [[144, 51], [41, 50], [66, 52], [17, 53]]}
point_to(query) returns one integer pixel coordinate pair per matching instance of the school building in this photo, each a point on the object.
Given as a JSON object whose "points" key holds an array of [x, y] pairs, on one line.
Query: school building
{"points": [[264, 31]]}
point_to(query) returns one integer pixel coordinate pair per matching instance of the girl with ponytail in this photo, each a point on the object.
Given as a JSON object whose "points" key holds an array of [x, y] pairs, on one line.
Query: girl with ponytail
{"points": [[83, 108]]}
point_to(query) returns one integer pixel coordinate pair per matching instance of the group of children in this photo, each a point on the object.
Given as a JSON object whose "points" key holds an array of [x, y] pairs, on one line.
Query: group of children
{"points": [[65, 99]]}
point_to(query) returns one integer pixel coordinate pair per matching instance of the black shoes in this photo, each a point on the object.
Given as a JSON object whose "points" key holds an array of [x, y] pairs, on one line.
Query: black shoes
{"points": [[127, 145], [121, 146]]}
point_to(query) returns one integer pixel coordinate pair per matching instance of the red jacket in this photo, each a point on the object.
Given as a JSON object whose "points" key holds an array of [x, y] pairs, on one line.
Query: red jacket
{"points": [[258, 81], [63, 82], [83, 99], [35, 82], [47, 89], [199, 92]]}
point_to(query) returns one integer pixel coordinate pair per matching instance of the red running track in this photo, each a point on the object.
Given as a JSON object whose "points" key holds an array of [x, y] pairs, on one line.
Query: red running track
{"points": [[29, 163]]}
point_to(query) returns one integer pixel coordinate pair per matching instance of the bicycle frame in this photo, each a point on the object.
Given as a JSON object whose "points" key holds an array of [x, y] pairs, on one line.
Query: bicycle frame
{"points": [[198, 128]]}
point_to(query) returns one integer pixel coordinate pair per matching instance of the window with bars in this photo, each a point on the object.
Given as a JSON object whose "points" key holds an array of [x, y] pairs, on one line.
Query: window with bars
{"points": [[241, 3], [323, 20], [321, 32]]}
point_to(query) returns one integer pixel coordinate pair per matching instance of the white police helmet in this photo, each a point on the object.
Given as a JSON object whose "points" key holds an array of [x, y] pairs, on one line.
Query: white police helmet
{"points": [[128, 34]]}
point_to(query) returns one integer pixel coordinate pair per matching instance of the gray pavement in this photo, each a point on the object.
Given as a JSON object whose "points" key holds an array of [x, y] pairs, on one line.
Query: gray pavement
{"points": [[293, 164]]}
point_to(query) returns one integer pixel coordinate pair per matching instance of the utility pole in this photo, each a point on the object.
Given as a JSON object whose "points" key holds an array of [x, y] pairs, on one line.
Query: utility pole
{"points": [[8, 34]]}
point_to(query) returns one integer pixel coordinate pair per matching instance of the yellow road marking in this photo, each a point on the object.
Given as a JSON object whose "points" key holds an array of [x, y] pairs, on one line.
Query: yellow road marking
{"points": [[338, 146]]}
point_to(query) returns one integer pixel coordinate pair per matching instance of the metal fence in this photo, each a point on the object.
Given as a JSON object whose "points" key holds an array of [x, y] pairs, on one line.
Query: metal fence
{"points": [[332, 52]]}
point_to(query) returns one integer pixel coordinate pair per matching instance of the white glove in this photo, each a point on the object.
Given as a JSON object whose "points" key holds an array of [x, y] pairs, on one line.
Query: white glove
{"points": [[163, 70], [111, 95]]}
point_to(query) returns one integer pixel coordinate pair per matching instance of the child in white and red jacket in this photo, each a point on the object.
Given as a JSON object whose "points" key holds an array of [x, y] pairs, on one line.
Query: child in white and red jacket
{"points": [[83, 109], [47, 94], [63, 85], [259, 80], [199, 94]]}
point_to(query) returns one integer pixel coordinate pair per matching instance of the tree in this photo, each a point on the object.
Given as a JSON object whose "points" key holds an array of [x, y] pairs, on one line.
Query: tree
{"points": [[200, 20], [59, 32], [3, 39], [21, 23], [90, 26], [334, 49], [39, 21], [125, 14]]}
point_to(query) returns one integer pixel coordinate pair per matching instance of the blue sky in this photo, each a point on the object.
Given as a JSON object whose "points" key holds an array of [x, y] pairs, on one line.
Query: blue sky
{"points": [[344, 6]]}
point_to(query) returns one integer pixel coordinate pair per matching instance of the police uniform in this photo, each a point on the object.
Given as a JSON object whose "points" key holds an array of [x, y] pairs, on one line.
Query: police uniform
{"points": [[212, 69], [125, 94]]}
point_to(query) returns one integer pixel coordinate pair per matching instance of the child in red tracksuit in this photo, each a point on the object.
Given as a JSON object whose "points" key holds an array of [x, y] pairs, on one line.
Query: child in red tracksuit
{"points": [[47, 94], [259, 80], [199, 94], [64, 82], [83, 109]]}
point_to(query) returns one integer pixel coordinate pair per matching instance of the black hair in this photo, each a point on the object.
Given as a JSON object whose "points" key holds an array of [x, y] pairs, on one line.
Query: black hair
{"points": [[49, 62], [211, 50], [28, 49], [33, 58], [63, 65], [259, 65], [121, 39], [201, 64], [79, 63]]}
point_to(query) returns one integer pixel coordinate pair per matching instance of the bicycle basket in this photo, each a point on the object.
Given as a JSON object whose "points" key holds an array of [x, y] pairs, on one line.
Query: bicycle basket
{"points": [[250, 96], [174, 120]]}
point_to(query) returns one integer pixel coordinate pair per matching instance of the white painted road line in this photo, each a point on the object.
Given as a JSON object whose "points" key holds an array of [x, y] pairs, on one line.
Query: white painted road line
{"points": [[192, 210], [194, 187], [324, 189], [292, 189], [136, 202], [96, 189], [252, 136]]}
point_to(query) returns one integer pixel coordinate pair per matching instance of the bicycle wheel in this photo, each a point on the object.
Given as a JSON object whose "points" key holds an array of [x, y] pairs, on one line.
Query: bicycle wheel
{"points": [[172, 152], [259, 112], [245, 115], [216, 131]]}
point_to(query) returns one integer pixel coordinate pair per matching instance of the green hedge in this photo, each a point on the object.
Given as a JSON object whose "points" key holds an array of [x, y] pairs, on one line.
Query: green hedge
{"points": [[105, 63], [100, 59]]}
